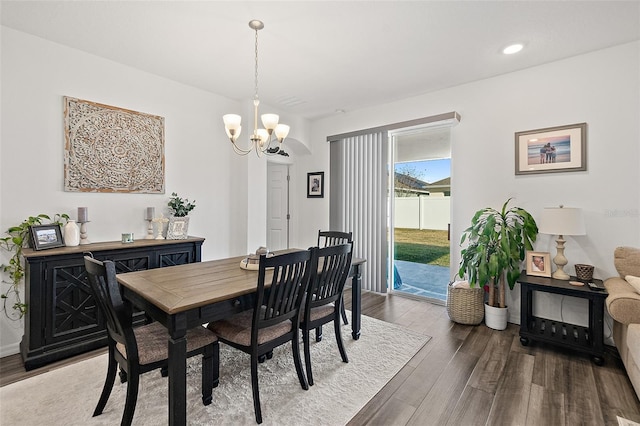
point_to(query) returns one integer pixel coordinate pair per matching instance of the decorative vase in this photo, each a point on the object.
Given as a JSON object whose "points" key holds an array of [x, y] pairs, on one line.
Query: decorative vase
{"points": [[495, 317], [71, 233]]}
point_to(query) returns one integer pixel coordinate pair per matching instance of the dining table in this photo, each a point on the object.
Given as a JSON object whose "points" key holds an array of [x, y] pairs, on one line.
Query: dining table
{"points": [[187, 296]]}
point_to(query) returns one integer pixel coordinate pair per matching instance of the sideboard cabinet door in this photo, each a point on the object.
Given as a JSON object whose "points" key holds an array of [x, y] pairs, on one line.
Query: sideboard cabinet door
{"points": [[62, 317]]}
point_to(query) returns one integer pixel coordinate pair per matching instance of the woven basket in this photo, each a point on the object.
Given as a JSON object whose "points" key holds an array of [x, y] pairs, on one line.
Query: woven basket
{"points": [[465, 305]]}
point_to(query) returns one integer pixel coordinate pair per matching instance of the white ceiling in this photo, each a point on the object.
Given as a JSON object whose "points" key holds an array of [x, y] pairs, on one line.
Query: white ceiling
{"points": [[320, 56]]}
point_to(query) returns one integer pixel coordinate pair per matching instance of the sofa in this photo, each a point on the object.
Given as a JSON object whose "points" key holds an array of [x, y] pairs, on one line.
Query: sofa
{"points": [[623, 304]]}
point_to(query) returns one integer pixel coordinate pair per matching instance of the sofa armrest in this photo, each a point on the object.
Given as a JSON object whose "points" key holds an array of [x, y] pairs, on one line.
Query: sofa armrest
{"points": [[623, 302]]}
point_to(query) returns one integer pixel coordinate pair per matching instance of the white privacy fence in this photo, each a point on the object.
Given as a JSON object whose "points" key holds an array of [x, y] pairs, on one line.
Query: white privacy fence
{"points": [[426, 212]]}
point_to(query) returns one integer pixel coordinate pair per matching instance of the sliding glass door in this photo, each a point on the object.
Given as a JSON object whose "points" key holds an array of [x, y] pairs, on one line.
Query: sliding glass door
{"points": [[420, 206]]}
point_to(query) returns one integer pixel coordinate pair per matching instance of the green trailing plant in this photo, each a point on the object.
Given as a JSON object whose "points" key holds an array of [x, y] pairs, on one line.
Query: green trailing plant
{"points": [[497, 243], [180, 207], [18, 238]]}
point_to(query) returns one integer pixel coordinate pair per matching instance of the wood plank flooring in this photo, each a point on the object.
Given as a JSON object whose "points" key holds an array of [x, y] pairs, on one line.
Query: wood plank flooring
{"points": [[472, 375]]}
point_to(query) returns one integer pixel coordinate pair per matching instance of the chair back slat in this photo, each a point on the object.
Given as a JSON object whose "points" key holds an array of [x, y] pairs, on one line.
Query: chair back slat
{"points": [[106, 291], [333, 264], [333, 238], [281, 300]]}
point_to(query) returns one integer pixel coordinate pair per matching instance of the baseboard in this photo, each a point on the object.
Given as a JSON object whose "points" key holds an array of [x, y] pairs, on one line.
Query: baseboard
{"points": [[11, 349]]}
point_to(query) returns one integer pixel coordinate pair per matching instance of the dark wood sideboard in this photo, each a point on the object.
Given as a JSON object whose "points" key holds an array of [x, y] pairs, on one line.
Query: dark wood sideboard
{"points": [[62, 318]]}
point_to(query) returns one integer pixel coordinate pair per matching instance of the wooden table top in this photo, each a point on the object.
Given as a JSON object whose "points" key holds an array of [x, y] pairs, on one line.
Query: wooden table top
{"points": [[180, 288]]}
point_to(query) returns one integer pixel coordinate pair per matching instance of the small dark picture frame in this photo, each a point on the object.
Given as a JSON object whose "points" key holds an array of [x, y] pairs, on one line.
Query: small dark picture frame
{"points": [[46, 236], [538, 264], [315, 185]]}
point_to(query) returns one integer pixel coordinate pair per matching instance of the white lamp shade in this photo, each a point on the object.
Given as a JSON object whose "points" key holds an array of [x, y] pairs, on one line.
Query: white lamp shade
{"points": [[561, 221], [231, 121], [270, 121], [282, 130], [263, 134]]}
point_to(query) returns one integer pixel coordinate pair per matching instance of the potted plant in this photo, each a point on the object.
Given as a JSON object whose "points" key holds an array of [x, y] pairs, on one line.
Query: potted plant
{"points": [[18, 238], [179, 220], [497, 242]]}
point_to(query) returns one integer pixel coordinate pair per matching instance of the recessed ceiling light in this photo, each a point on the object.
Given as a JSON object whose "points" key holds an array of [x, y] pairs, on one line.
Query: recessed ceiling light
{"points": [[513, 48]]}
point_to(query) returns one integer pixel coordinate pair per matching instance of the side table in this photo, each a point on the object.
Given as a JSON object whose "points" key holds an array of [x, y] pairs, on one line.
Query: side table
{"points": [[589, 339]]}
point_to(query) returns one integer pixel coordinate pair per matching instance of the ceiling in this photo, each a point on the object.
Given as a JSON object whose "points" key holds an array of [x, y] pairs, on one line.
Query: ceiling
{"points": [[317, 57]]}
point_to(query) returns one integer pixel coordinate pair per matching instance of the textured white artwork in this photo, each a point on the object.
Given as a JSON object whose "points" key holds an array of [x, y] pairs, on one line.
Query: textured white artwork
{"points": [[110, 149]]}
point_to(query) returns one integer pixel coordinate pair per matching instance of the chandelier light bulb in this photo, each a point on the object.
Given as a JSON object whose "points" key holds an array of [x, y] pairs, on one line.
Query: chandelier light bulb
{"points": [[282, 131], [270, 121]]}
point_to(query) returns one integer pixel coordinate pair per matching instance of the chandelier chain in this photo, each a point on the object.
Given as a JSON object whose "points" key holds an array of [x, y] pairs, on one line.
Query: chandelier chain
{"points": [[256, 72]]}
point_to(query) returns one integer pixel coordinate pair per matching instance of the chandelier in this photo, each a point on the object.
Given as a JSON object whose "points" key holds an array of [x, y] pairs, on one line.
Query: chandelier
{"points": [[261, 139]]}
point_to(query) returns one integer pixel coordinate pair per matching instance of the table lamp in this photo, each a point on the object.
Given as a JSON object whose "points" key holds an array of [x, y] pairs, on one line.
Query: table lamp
{"points": [[561, 221]]}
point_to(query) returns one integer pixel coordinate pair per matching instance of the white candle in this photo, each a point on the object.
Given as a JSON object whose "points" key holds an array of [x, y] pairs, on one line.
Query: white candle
{"points": [[151, 212], [83, 215]]}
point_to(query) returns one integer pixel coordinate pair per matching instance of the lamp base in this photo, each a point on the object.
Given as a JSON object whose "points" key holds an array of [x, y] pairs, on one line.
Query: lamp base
{"points": [[559, 274]]}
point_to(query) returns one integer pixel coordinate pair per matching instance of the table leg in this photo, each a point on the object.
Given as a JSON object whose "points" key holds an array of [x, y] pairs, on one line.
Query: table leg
{"points": [[177, 346], [356, 302]]}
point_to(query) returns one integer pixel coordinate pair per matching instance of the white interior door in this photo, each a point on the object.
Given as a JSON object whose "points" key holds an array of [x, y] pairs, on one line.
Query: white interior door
{"points": [[277, 206]]}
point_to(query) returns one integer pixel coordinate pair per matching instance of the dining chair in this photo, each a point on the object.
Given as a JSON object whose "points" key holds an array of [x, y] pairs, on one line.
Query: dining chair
{"points": [[141, 349], [324, 298], [282, 283], [332, 238]]}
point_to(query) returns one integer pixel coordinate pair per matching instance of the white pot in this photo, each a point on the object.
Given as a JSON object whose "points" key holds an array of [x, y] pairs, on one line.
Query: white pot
{"points": [[71, 234], [495, 317]]}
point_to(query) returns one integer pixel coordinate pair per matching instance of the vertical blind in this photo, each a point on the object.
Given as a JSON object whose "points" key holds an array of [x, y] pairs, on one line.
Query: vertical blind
{"points": [[358, 200]]}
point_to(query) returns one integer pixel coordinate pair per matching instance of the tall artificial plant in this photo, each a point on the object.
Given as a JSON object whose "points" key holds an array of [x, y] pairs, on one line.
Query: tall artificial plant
{"points": [[497, 242], [18, 238]]}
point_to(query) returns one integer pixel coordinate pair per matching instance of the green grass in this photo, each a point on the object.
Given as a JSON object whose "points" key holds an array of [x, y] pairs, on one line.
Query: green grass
{"points": [[422, 246]]}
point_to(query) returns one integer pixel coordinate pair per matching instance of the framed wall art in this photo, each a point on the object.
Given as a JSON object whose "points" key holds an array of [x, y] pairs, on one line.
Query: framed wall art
{"points": [[554, 149], [315, 185], [46, 236], [538, 263], [110, 149]]}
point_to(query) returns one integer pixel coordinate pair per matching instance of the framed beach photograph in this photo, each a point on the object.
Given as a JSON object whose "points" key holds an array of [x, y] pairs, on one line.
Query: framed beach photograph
{"points": [[538, 263], [46, 236], [178, 228], [315, 185], [552, 150]]}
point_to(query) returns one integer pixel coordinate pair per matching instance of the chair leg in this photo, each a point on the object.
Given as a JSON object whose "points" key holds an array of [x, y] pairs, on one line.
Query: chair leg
{"points": [[132, 395], [295, 347], [123, 375], [318, 334], [337, 327], [207, 374], [343, 311], [307, 356], [254, 387], [108, 384], [164, 371]]}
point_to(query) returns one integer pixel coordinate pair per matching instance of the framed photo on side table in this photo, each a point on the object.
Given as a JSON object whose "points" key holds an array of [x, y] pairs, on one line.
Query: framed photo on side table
{"points": [[178, 228], [554, 149], [315, 185], [46, 236], [538, 264]]}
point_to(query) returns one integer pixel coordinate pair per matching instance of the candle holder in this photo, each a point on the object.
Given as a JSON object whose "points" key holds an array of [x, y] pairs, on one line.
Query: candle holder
{"points": [[149, 229], [83, 233], [160, 221]]}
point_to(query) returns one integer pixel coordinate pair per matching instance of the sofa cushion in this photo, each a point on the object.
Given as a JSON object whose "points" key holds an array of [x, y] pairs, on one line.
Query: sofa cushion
{"points": [[627, 261], [634, 281]]}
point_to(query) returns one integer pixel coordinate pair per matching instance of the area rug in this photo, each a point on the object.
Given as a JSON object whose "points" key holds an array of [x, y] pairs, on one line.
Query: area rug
{"points": [[67, 396]]}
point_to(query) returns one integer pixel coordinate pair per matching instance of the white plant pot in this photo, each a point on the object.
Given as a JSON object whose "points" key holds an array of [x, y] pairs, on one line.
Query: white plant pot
{"points": [[495, 317]]}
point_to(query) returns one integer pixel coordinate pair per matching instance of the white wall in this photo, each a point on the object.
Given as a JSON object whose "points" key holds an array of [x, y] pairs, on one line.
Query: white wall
{"points": [[601, 88], [200, 164]]}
